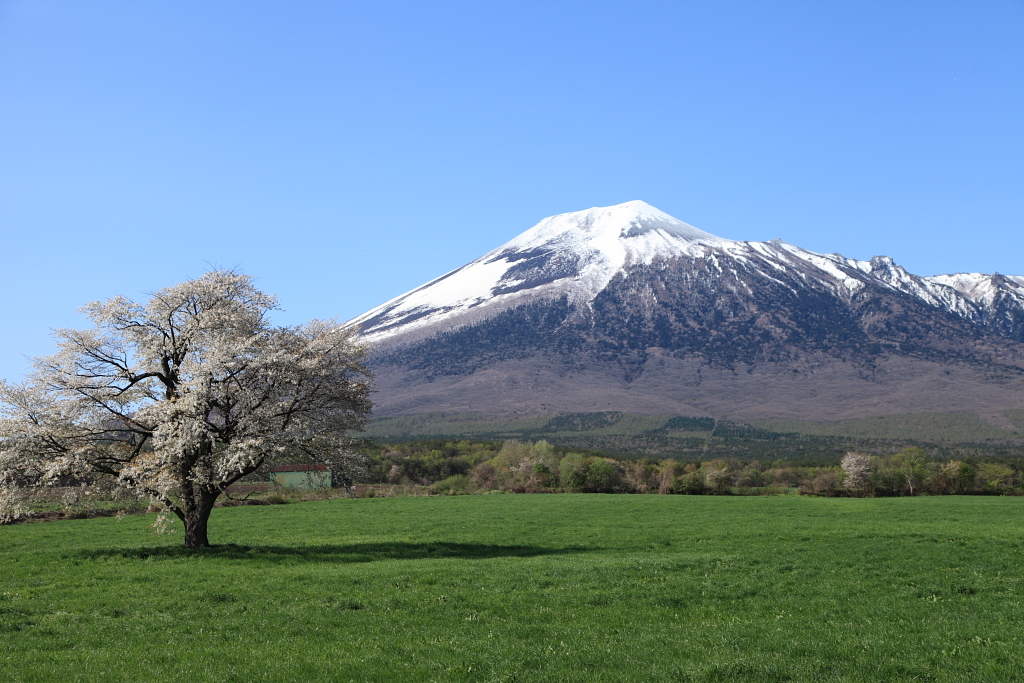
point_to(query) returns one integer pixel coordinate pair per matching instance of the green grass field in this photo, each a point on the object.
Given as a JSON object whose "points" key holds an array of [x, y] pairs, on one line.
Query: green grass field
{"points": [[527, 588]]}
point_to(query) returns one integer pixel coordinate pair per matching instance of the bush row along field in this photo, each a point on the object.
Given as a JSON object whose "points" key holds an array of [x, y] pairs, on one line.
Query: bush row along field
{"points": [[578, 587], [456, 467], [472, 467]]}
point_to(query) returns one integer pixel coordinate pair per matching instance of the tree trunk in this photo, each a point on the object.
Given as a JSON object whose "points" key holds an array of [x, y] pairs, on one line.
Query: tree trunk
{"points": [[197, 518]]}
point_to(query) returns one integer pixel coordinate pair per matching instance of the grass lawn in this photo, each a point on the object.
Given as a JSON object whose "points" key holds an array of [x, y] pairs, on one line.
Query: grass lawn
{"points": [[527, 588]]}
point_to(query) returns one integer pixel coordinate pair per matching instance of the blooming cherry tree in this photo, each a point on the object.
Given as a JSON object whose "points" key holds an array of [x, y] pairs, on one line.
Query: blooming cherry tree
{"points": [[857, 469], [179, 397]]}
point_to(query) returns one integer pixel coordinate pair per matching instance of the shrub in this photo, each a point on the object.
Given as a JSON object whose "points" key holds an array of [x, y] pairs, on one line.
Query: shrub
{"points": [[782, 476], [512, 453], [691, 484], [825, 484], [572, 471], [601, 476], [451, 486], [667, 477], [750, 477], [717, 481], [484, 476], [994, 478], [641, 476], [953, 477], [542, 477]]}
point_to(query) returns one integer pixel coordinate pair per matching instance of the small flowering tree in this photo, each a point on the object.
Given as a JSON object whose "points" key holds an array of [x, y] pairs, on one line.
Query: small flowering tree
{"points": [[178, 398], [856, 472]]}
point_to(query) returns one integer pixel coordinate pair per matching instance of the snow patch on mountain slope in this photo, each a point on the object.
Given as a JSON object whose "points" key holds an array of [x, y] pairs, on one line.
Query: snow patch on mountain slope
{"points": [[843, 271], [980, 287]]}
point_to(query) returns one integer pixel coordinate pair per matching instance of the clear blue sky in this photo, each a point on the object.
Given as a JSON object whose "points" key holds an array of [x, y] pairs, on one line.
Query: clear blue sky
{"points": [[344, 153]]}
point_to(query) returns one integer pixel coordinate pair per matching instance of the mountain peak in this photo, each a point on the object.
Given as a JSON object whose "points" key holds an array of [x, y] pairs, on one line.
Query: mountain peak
{"points": [[573, 254], [621, 221]]}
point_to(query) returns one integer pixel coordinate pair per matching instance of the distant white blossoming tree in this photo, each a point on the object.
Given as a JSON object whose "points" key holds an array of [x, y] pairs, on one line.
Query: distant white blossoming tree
{"points": [[177, 398], [857, 469]]}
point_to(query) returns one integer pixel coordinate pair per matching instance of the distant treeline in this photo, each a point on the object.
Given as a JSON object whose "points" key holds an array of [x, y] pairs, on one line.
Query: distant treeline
{"points": [[957, 436], [458, 467]]}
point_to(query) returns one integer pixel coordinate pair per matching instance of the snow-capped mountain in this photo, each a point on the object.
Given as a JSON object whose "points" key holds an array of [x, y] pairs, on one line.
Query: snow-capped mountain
{"points": [[578, 254], [648, 313], [573, 254]]}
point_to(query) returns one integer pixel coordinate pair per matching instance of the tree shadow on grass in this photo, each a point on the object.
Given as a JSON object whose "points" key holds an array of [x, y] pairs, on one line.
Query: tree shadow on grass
{"points": [[356, 552]]}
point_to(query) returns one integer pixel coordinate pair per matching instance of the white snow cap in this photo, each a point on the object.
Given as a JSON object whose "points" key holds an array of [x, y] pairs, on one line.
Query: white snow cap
{"points": [[574, 253], [631, 219]]}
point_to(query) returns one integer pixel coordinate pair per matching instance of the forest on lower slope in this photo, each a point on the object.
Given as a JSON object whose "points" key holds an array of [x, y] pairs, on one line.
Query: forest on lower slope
{"points": [[962, 435]]}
